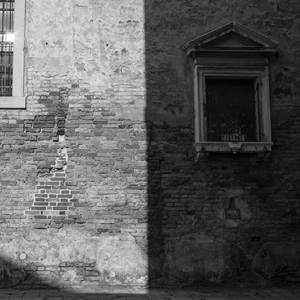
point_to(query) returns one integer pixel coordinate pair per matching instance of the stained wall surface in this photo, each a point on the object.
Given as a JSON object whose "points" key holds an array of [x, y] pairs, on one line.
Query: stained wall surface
{"points": [[98, 180]]}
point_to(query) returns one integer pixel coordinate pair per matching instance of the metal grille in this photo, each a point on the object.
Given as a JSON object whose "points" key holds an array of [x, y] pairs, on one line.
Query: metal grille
{"points": [[7, 9]]}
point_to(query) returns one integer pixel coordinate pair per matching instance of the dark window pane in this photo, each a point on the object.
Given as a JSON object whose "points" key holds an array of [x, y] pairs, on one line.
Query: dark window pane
{"points": [[230, 110], [6, 46]]}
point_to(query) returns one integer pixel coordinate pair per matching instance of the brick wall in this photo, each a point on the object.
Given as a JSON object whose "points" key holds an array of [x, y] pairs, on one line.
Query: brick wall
{"points": [[75, 158], [84, 166], [190, 234]]}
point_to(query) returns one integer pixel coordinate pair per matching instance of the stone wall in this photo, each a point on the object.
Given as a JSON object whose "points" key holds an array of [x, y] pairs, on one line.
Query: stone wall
{"points": [[94, 191]]}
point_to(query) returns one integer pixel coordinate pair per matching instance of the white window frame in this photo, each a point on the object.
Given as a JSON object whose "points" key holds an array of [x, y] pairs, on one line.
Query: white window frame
{"points": [[17, 100], [262, 111]]}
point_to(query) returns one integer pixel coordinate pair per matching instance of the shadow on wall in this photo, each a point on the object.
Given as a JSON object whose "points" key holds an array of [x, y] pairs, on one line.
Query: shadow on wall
{"points": [[13, 276], [191, 239]]}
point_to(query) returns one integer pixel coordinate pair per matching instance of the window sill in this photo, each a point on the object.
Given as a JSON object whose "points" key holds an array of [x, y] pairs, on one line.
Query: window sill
{"points": [[244, 147], [14, 102]]}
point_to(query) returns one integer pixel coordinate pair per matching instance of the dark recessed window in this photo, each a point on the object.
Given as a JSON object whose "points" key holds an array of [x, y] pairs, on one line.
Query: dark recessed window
{"points": [[12, 37], [6, 46], [231, 89], [231, 110]]}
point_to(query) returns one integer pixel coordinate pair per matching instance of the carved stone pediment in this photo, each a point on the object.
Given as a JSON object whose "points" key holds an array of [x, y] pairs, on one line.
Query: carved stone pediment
{"points": [[231, 38]]}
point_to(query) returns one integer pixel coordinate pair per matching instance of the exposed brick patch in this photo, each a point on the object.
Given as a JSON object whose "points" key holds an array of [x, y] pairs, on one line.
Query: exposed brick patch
{"points": [[53, 198]]}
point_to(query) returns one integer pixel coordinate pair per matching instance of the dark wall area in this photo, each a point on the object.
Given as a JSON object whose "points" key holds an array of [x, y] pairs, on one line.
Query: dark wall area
{"points": [[191, 238]]}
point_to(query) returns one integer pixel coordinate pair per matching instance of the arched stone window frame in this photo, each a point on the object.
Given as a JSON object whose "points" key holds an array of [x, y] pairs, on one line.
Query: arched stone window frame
{"points": [[17, 100], [232, 51]]}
